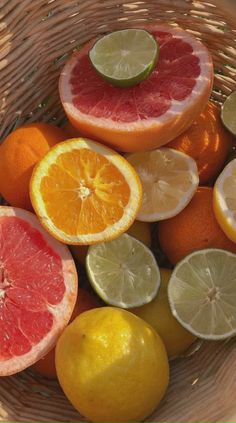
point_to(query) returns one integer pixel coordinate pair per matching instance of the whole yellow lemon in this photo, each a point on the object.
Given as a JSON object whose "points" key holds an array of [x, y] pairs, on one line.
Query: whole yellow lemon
{"points": [[112, 366], [158, 314]]}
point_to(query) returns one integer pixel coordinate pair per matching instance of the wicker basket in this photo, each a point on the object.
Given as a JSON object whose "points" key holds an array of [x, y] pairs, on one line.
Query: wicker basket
{"points": [[36, 38]]}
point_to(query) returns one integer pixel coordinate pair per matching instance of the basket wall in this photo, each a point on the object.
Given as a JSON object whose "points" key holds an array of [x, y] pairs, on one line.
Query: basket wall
{"points": [[36, 39]]}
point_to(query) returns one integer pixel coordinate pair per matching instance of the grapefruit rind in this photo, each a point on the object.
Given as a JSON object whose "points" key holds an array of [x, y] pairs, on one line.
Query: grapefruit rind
{"points": [[145, 134], [61, 312]]}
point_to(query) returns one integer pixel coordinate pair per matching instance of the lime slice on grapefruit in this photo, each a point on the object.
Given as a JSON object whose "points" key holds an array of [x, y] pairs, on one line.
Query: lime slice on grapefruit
{"points": [[123, 272], [38, 289], [149, 114], [228, 113], [125, 58], [202, 293]]}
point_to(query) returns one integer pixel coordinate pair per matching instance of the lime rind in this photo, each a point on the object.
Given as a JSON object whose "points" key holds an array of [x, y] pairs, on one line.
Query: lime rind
{"points": [[125, 58], [202, 293], [228, 113], [123, 272]]}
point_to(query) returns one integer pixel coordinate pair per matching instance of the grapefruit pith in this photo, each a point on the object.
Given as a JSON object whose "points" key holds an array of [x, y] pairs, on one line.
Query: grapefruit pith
{"points": [[38, 290], [150, 114]]}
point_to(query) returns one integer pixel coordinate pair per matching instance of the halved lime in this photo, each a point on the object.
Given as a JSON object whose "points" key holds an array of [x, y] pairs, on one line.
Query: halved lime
{"points": [[202, 293], [228, 113], [125, 58], [123, 272]]}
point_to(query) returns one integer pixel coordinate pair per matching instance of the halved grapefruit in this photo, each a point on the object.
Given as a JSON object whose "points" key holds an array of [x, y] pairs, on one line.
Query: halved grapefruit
{"points": [[150, 114], [38, 290]]}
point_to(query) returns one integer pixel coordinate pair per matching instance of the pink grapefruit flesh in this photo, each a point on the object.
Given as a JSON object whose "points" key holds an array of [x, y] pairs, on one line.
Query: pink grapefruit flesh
{"points": [[150, 114], [38, 290]]}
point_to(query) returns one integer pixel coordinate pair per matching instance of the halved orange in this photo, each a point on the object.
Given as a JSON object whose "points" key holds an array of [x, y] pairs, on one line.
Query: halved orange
{"points": [[85, 193]]}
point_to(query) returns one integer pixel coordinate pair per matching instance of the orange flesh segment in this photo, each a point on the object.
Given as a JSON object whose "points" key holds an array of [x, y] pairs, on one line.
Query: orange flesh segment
{"points": [[84, 192]]}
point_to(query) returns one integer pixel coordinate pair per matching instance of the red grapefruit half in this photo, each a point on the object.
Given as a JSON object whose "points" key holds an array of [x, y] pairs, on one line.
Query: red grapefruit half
{"points": [[150, 114], [38, 290]]}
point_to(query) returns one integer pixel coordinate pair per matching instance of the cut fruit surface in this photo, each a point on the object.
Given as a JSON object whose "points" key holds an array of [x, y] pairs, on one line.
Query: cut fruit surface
{"points": [[228, 113], [123, 272], [150, 114], [38, 290], [85, 193], [225, 200], [125, 58], [202, 293], [169, 179]]}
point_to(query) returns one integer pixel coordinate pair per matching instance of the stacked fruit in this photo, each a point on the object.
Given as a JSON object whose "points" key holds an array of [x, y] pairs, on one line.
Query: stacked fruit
{"points": [[133, 90]]}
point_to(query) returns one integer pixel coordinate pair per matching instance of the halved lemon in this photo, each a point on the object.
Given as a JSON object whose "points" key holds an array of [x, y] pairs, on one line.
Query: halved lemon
{"points": [[169, 180], [224, 200], [85, 193], [202, 293]]}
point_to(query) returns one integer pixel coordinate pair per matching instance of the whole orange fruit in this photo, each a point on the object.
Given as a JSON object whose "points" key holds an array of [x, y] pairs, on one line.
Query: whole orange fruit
{"points": [[195, 228], [206, 141], [19, 153], [46, 366]]}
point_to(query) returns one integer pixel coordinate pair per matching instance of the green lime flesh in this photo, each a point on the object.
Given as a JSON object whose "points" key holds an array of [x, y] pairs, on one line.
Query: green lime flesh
{"points": [[123, 272], [125, 58]]}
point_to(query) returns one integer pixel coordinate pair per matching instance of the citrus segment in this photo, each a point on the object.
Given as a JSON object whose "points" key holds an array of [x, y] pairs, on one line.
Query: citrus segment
{"points": [[150, 114], [123, 272], [202, 293], [85, 193], [38, 288], [169, 180], [225, 200], [126, 57]]}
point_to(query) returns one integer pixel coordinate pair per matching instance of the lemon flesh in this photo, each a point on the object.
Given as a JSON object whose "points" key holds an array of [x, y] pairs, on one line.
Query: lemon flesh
{"points": [[169, 180]]}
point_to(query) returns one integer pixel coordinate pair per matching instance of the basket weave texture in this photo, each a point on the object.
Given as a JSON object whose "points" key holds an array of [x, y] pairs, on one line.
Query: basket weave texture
{"points": [[36, 39]]}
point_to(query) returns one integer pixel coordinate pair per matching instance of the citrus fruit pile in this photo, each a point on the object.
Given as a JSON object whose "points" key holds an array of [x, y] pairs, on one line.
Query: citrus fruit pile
{"points": [[144, 168]]}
